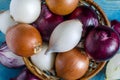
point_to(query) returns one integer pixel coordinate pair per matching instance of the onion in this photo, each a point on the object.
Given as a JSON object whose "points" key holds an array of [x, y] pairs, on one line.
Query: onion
{"points": [[42, 61], [6, 21], [116, 25], [47, 22], [71, 65], [25, 75], [25, 11], [102, 43], [62, 7], [65, 36], [9, 59], [113, 68], [87, 16], [24, 40]]}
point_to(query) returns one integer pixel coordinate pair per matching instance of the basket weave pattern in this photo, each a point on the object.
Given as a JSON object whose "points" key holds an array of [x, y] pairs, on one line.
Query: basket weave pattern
{"points": [[94, 67]]}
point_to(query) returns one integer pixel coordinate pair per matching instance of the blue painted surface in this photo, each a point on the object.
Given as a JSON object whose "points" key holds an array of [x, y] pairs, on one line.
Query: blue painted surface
{"points": [[2, 38], [4, 4], [111, 9]]}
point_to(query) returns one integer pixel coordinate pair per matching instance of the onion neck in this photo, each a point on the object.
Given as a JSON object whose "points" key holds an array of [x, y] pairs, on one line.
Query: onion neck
{"points": [[37, 48], [48, 51]]}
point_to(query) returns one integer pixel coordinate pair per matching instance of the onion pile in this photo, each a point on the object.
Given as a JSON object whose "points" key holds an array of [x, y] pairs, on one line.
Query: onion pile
{"points": [[48, 34], [47, 22]]}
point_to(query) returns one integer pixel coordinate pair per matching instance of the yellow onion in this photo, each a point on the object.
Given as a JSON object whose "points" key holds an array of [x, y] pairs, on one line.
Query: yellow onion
{"points": [[62, 7], [71, 65], [24, 40]]}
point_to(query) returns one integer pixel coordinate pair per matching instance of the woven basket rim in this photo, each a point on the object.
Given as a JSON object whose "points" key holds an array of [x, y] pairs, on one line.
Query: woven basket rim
{"points": [[43, 76]]}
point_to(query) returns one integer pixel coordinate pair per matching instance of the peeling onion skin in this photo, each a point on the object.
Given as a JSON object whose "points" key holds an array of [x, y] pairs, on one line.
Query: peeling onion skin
{"points": [[62, 7], [72, 64], [102, 43], [9, 59], [24, 40]]}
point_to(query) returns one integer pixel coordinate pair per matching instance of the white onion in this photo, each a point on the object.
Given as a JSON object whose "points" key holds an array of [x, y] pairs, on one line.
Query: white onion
{"points": [[42, 61], [6, 21], [113, 68], [25, 11], [65, 36]]}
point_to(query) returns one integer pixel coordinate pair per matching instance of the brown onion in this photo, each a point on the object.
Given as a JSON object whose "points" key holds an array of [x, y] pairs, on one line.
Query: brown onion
{"points": [[62, 7], [23, 39], [71, 65]]}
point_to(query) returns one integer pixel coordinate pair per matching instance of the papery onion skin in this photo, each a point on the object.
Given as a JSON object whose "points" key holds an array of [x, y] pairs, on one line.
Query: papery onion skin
{"points": [[47, 22], [62, 7], [9, 59], [87, 16], [71, 65], [102, 43], [23, 39]]}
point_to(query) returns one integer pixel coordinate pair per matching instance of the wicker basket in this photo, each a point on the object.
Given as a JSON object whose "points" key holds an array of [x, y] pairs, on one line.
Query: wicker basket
{"points": [[94, 67]]}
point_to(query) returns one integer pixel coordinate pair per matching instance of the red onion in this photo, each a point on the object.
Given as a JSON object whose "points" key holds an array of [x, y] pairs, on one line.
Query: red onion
{"points": [[46, 22], [9, 59], [102, 43], [116, 25], [26, 75]]}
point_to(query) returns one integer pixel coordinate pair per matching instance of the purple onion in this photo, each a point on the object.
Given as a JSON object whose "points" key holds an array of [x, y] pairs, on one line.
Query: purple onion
{"points": [[87, 16], [25, 75], [102, 43], [9, 59], [47, 22], [116, 25]]}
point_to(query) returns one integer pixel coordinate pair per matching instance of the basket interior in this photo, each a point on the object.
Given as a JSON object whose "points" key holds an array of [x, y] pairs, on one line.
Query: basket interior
{"points": [[94, 67]]}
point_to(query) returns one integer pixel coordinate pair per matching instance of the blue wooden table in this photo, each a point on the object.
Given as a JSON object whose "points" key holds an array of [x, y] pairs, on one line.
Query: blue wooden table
{"points": [[110, 7]]}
